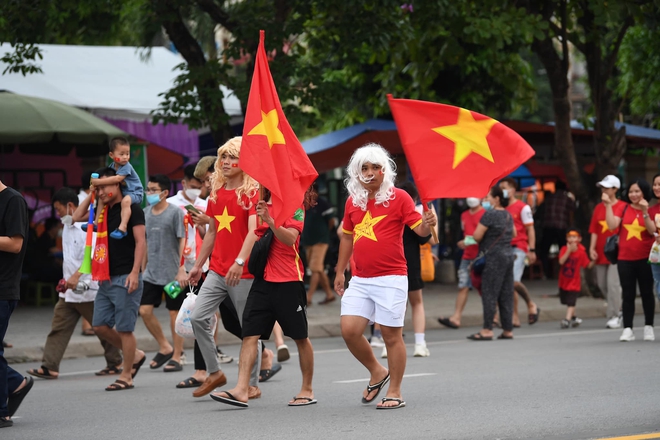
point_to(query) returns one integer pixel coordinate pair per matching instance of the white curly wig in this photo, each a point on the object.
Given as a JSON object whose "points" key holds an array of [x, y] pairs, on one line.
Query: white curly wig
{"points": [[377, 155]]}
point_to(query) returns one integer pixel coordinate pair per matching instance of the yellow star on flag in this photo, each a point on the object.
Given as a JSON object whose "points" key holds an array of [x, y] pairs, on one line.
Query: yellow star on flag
{"points": [[224, 220], [268, 127], [606, 228], [634, 230], [366, 227], [469, 136]]}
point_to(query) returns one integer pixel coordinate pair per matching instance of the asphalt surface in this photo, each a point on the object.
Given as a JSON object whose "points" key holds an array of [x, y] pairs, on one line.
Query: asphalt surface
{"points": [[547, 383]]}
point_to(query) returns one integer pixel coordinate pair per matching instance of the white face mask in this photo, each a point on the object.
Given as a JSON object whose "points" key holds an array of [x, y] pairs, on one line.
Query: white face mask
{"points": [[67, 220], [192, 194], [472, 202]]}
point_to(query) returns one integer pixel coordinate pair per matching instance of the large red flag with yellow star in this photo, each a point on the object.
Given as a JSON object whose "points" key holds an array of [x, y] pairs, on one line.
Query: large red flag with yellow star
{"points": [[454, 152], [271, 153]]}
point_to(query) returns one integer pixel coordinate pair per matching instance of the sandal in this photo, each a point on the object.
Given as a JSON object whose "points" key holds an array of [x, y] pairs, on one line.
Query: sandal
{"points": [[306, 401], [400, 403], [160, 360], [533, 318], [479, 337], [447, 323], [88, 332], [109, 371], [119, 385], [376, 387], [172, 366], [191, 382], [264, 375], [137, 365], [6, 345], [45, 375], [503, 336]]}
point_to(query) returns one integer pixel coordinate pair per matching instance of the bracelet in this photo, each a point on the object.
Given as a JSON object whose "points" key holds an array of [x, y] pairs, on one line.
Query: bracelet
{"points": [[532, 250]]}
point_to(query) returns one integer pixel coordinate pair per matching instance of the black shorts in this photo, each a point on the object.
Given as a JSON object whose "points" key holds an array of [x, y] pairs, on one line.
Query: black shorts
{"points": [[152, 295], [268, 302], [415, 283], [568, 297]]}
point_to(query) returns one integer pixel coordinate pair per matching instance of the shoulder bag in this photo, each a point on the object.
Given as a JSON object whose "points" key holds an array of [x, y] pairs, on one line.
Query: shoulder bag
{"points": [[611, 248], [259, 255]]}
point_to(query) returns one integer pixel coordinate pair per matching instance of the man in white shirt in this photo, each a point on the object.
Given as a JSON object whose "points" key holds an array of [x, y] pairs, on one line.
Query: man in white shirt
{"points": [[77, 300]]}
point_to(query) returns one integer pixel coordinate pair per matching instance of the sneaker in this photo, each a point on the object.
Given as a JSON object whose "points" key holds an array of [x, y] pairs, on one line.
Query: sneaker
{"points": [[183, 358], [421, 351], [384, 353], [223, 358], [6, 422], [565, 323], [575, 322], [649, 335], [627, 335], [614, 322], [377, 341]]}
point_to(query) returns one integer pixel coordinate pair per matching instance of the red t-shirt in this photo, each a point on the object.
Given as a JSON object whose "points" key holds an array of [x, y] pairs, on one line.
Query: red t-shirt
{"points": [[599, 227], [284, 263], [522, 216], [634, 240], [232, 228], [378, 234], [470, 222], [569, 275]]}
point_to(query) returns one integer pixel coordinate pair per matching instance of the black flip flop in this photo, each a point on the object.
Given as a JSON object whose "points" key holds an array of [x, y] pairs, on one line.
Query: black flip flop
{"points": [[109, 371], [265, 375], [160, 360], [503, 336], [15, 399], [533, 319], [231, 400], [119, 385], [175, 366], [377, 386], [45, 375], [479, 337], [307, 401], [191, 382], [137, 366], [447, 323]]}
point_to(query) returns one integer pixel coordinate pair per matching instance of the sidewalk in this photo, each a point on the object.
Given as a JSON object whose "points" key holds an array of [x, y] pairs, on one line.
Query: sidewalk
{"points": [[29, 326]]}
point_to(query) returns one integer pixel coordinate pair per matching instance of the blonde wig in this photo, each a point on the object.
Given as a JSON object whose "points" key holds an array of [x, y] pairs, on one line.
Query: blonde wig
{"points": [[249, 186], [377, 155]]}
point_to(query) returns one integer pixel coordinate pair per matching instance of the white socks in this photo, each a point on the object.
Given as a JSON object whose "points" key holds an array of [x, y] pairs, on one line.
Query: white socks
{"points": [[419, 338]]}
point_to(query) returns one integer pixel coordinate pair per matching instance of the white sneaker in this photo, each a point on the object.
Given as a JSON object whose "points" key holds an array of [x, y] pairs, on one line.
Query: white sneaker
{"points": [[377, 341], [183, 359], [384, 353], [614, 322], [649, 335], [421, 351], [627, 335], [223, 358]]}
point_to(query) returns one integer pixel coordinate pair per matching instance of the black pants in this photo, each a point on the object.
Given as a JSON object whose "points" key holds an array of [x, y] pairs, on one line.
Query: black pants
{"points": [[632, 273], [497, 290], [550, 236]]}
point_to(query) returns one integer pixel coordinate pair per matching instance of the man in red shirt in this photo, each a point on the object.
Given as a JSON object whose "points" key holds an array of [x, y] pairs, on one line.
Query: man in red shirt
{"points": [[278, 295], [469, 221], [524, 244], [232, 220], [374, 217], [572, 258], [607, 275]]}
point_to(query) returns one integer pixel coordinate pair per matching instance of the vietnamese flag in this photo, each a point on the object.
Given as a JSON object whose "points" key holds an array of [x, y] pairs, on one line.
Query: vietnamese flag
{"points": [[454, 152], [100, 258], [270, 152]]}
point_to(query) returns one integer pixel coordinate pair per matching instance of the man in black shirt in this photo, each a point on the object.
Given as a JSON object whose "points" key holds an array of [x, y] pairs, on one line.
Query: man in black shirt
{"points": [[13, 242], [118, 300]]}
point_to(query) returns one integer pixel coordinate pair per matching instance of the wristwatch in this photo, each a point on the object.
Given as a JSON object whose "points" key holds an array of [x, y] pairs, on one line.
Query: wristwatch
{"points": [[645, 216], [532, 250], [240, 261]]}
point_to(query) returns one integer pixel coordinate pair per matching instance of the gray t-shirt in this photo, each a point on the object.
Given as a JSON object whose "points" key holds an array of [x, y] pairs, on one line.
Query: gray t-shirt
{"points": [[499, 224], [163, 233]]}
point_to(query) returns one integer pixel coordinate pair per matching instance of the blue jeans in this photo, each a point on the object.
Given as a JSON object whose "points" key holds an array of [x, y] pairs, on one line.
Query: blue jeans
{"points": [[655, 269], [10, 379]]}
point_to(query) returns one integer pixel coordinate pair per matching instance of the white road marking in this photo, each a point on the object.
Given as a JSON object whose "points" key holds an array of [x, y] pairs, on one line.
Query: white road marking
{"points": [[405, 376]]}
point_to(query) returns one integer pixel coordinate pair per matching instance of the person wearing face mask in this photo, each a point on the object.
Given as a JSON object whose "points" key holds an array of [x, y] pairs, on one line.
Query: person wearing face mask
{"points": [[165, 244], [78, 299], [469, 221]]}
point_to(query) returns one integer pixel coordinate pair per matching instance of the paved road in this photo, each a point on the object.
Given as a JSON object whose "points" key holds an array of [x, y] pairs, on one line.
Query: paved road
{"points": [[546, 384]]}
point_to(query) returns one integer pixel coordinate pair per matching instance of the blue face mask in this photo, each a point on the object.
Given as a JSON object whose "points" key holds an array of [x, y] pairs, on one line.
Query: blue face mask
{"points": [[486, 204], [153, 199]]}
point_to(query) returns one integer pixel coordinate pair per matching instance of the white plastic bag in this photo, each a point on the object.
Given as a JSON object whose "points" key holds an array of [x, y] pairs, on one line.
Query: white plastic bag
{"points": [[182, 325], [654, 256]]}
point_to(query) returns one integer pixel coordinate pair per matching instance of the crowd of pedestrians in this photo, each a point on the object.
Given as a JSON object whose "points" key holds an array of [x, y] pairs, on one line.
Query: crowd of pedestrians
{"points": [[202, 239]]}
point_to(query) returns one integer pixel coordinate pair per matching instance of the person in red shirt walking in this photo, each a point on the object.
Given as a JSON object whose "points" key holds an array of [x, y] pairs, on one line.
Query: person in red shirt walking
{"points": [[374, 217], [469, 221], [572, 258], [607, 274]]}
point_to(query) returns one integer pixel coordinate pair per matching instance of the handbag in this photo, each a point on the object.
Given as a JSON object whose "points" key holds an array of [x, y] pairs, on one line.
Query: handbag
{"points": [[479, 263], [611, 248], [427, 263], [259, 254]]}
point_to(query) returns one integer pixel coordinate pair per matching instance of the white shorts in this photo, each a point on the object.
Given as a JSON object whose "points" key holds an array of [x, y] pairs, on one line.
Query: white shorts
{"points": [[379, 299], [518, 264]]}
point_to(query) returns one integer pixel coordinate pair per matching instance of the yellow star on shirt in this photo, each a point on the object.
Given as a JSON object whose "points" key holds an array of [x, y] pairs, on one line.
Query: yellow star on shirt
{"points": [[469, 136], [224, 220], [268, 127], [606, 228], [634, 230], [366, 227]]}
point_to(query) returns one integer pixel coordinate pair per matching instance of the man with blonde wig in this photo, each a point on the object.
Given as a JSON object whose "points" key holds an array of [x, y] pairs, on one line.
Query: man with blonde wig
{"points": [[375, 214], [232, 220]]}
